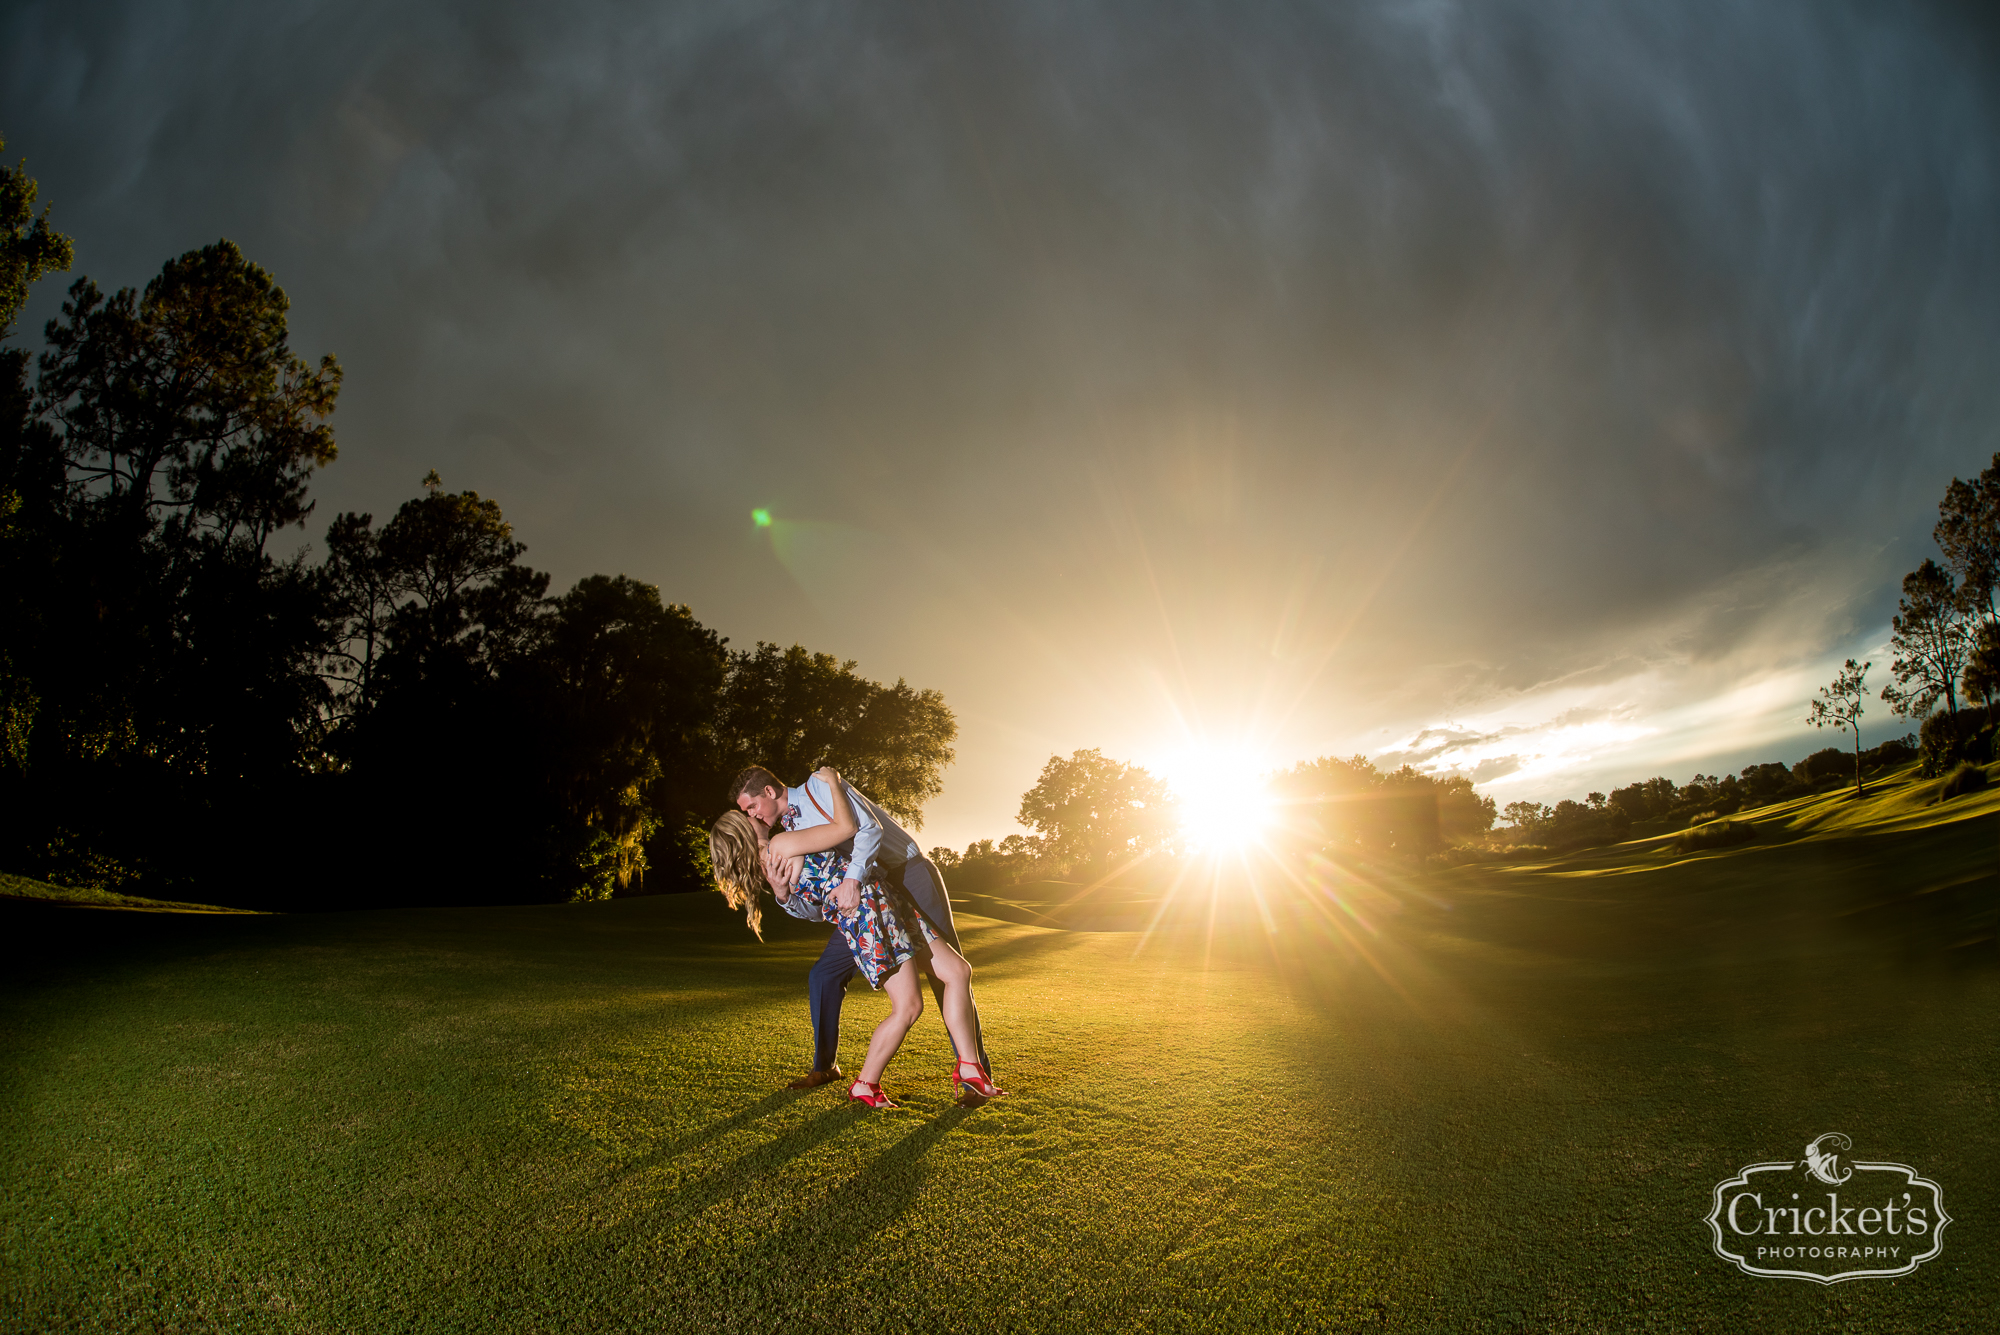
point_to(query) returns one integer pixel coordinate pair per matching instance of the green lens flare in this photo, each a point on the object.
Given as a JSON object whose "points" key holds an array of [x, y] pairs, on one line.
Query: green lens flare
{"points": [[761, 518]]}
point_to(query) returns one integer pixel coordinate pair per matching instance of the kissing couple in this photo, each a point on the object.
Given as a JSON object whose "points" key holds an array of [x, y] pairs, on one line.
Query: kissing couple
{"points": [[828, 854]]}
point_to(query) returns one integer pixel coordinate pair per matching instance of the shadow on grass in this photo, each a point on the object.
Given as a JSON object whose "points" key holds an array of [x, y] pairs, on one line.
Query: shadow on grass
{"points": [[742, 1173], [829, 1218], [857, 1209], [763, 1107]]}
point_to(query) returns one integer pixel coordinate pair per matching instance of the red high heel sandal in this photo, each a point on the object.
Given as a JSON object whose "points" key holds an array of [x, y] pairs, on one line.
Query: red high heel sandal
{"points": [[863, 1092], [975, 1088]]}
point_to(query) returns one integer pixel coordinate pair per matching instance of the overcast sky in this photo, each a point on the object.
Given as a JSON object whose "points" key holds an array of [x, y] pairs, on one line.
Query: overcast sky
{"points": [[1554, 390]]}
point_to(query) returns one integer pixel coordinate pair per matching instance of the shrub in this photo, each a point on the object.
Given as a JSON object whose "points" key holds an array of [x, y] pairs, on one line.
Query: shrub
{"points": [[1946, 739], [1938, 744], [1716, 834], [1967, 778]]}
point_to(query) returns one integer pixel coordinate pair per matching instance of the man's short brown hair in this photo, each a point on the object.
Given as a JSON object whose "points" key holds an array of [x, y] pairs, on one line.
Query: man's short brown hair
{"points": [[755, 780]]}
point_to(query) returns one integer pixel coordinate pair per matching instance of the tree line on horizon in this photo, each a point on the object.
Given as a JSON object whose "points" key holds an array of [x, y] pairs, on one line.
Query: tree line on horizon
{"points": [[1092, 816], [408, 718], [1660, 806]]}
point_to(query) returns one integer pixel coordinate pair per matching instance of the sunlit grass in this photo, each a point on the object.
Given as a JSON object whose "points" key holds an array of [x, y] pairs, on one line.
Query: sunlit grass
{"points": [[1339, 1096]]}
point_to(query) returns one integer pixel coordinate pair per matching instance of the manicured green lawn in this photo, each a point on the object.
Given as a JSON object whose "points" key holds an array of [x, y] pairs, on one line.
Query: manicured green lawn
{"points": [[1491, 1099]]}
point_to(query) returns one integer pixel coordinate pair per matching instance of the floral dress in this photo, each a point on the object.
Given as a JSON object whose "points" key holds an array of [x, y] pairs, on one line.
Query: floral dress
{"points": [[878, 934]]}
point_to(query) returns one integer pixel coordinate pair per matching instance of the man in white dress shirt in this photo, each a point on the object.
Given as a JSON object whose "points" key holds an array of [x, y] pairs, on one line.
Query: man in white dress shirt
{"points": [[880, 847]]}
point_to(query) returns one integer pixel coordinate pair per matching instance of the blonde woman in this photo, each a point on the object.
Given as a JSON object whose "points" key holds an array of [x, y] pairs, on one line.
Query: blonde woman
{"points": [[889, 939]]}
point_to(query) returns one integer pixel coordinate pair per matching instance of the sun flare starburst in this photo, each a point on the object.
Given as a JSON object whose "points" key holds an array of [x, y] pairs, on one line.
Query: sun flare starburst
{"points": [[1225, 800]]}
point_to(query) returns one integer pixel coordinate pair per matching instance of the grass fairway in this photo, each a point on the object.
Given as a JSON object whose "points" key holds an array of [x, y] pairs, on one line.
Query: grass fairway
{"points": [[1491, 1099]]}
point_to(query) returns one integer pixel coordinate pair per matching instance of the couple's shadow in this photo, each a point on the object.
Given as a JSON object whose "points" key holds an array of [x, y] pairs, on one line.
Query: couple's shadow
{"points": [[819, 1243], [868, 1200]]}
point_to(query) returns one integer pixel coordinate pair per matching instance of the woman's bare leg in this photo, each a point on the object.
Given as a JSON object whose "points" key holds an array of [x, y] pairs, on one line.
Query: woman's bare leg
{"points": [[955, 972], [906, 1003]]}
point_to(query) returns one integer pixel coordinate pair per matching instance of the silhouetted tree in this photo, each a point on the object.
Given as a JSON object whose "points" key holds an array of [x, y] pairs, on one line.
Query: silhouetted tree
{"points": [[187, 431], [1981, 678], [170, 655], [183, 412], [1348, 803], [1931, 643], [1572, 824], [1826, 763], [441, 719], [986, 865], [1410, 803], [792, 711], [1968, 533], [361, 599], [627, 688], [29, 248], [1462, 812], [1530, 819], [1326, 800], [429, 608], [413, 720], [433, 603], [1092, 809], [1647, 800], [1839, 706], [1763, 782], [463, 603]]}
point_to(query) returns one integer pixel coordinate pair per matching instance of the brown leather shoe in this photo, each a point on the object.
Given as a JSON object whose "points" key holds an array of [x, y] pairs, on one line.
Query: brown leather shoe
{"points": [[814, 1079]]}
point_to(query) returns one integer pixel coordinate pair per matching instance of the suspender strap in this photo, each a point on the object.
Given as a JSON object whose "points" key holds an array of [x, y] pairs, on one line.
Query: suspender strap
{"points": [[817, 807]]}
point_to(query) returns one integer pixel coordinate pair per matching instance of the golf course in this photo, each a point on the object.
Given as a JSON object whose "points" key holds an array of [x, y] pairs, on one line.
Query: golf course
{"points": [[1331, 1097]]}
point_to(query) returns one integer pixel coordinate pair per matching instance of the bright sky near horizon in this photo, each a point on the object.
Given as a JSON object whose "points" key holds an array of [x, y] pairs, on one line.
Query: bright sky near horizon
{"points": [[1553, 391]]}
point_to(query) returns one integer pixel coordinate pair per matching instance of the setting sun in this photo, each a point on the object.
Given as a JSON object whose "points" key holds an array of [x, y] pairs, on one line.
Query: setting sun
{"points": [[1224, 799]]}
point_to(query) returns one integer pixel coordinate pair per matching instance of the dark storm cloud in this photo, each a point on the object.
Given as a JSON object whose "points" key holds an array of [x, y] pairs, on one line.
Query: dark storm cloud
{"points": [[1405, 355]]}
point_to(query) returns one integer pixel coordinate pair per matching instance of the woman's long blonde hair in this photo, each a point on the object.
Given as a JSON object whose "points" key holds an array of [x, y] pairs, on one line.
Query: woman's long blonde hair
{"points": [[737, 857]]}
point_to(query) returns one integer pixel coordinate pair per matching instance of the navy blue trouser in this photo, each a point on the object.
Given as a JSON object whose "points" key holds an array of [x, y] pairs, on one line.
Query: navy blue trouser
{"points": [[826, 985]]}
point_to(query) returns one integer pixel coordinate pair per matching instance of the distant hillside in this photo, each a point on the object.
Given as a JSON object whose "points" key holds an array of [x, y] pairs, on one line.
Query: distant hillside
{"points": [[1904, 868]]}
